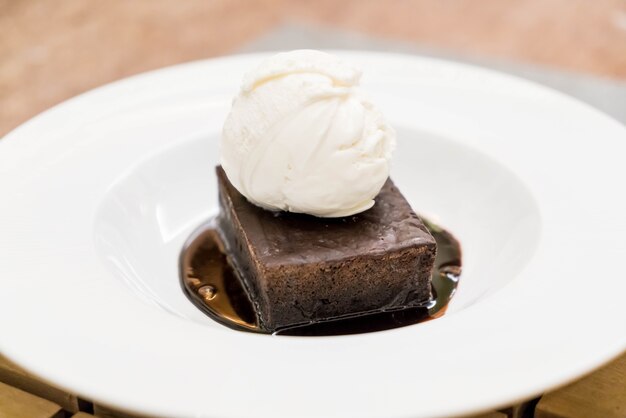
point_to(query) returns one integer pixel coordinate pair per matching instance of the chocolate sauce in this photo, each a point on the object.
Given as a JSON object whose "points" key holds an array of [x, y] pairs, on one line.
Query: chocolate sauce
{"points": [[211, 283]]}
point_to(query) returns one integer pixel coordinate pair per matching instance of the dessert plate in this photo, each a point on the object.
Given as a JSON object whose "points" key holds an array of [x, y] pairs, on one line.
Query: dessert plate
{"points": [[99, 194]]}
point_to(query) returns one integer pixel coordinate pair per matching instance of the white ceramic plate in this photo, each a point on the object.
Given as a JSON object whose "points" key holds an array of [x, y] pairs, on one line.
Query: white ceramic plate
{"points": [[99, 193]]}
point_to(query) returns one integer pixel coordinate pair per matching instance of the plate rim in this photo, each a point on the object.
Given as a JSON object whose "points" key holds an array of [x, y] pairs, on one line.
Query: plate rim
{"points": [[15, 134]]}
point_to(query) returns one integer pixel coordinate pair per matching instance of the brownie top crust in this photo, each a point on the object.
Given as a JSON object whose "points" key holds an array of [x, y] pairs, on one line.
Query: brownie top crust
{"points": [[390, 225]]}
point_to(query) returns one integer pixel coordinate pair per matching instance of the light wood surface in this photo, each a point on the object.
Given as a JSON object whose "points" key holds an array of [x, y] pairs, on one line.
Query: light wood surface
{"points": [[105, 412], [490, 415], [53, 50], [15, 403], [602, 394], [17, 377]]}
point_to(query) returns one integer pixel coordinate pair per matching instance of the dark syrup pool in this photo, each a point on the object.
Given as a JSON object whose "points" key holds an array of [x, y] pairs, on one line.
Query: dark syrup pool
{"points": [[211, 283]]}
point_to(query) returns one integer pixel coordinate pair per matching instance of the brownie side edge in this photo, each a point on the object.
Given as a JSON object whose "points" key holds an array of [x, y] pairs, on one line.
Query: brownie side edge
{"points": [[239, 251]]}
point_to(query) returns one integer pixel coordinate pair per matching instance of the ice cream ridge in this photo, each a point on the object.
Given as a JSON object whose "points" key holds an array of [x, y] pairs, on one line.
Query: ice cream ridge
{"points": [[311, 222], [301, 137]]}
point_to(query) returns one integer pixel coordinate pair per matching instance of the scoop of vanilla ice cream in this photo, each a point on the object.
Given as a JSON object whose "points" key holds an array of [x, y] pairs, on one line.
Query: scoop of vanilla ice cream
{"points": [[301, 137]]}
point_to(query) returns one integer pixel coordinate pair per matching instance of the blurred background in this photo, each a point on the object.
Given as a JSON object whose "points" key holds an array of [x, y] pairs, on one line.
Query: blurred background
{"points": [[53, 50]]}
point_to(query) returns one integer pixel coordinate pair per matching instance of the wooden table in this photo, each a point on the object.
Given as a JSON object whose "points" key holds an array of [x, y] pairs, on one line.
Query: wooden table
{"points": [[50, 51]]}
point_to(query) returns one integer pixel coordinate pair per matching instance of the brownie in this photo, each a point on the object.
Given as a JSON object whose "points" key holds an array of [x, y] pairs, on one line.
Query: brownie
{"points": [[300, 269]]}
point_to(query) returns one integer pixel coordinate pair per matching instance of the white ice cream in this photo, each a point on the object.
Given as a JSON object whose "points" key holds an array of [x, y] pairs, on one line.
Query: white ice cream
{"points": [[300, 137]]}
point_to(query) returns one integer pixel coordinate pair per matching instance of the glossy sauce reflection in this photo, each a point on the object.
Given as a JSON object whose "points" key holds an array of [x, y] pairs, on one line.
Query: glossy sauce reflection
{"points": [[210, 282]]}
